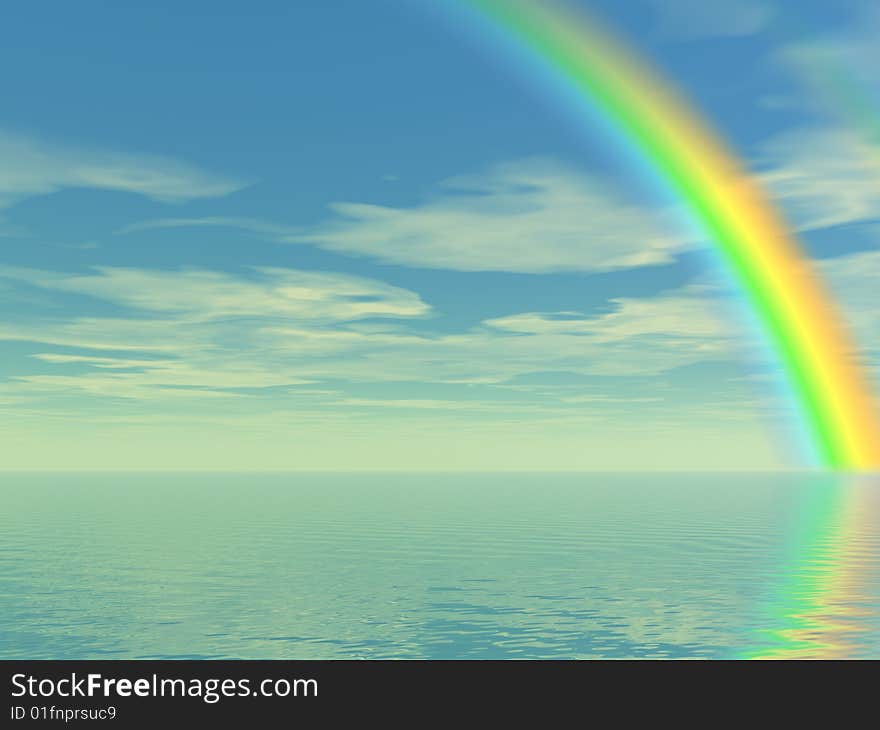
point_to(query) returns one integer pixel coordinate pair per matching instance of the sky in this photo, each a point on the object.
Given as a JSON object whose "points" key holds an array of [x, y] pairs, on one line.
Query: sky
{"points": [[347, 235]]}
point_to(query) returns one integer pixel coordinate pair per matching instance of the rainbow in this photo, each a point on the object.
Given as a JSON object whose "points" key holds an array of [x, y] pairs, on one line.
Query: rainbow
{"points": [[775, 276]]}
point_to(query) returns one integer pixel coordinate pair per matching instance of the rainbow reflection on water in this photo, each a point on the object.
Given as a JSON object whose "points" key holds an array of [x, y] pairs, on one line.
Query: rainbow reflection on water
{"points": [[825, 606]]}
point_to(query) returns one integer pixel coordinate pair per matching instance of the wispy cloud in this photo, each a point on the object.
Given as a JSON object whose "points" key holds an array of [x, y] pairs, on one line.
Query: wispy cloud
{"points": [[846, 56], [529, 216], [194, 329], [638, 336], [690, 19], [823, 177], [854, 279], [263, 228], [210, 295], [688, 312], [30, 166]]}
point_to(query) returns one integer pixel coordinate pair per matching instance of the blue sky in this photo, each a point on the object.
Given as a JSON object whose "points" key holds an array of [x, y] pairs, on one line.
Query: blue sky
{"points": [[350, 235]]}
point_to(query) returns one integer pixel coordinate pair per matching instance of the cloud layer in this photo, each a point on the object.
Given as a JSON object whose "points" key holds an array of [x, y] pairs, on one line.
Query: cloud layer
{"points": [[206, 333]]}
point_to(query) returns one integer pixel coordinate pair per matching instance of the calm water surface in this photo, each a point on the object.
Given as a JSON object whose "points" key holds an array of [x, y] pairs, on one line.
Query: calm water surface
{"points": [[438, 566]]}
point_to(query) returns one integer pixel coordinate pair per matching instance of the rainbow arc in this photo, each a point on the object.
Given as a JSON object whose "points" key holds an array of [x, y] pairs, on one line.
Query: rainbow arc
{"points": [[775, 276]]}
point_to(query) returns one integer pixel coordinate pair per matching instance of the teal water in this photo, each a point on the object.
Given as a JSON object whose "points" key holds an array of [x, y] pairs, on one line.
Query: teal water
{"points": [[436, 566]]}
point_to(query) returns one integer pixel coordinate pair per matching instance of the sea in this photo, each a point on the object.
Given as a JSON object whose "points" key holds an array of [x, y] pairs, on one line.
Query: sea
{"points": [[439, 566]]}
